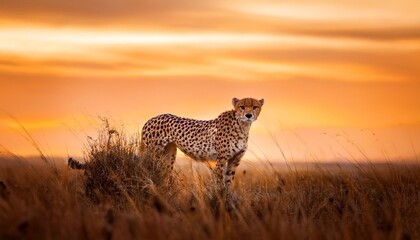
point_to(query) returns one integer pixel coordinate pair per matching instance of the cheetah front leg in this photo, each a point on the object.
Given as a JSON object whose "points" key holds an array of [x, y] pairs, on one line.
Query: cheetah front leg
{"points": [[220, 169], [233, 163], [225, 168]]}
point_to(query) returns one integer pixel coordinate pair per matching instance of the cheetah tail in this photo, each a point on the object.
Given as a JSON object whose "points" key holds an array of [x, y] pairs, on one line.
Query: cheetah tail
{"points": [[74, 164]]}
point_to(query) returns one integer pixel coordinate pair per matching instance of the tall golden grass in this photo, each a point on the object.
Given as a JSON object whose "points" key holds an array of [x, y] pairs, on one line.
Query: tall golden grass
{"points": [[121, 193]]}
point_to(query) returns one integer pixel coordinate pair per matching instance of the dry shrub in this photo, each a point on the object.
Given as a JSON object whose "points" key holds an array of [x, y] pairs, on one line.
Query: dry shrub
{"points": [[117, 170]]}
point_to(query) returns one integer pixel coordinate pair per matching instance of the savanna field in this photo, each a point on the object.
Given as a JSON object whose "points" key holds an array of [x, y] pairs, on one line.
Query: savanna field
{"points": [[334, 153], [121, 193]]}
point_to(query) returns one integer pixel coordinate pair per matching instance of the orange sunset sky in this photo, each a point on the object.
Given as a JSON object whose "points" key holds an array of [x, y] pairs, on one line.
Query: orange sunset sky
{"points": [[340, 79]]}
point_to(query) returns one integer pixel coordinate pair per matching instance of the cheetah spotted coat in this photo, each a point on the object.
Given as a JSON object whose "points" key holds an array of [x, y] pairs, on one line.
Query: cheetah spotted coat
{"points": [[223, 139]]}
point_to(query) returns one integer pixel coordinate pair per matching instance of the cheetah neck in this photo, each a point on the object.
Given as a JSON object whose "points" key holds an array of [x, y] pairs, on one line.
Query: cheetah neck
{"points": [[242, 127]]}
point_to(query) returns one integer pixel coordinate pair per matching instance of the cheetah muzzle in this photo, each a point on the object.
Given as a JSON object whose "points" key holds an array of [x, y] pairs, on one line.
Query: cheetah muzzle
{"points": [[223, 139]]}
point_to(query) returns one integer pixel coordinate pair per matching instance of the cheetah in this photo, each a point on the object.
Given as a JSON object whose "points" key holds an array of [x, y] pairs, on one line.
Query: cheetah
{"points": [[223, 139]]}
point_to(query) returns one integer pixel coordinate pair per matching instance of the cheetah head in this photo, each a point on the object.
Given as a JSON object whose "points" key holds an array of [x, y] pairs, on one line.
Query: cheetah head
{"points": [[247, 109]]}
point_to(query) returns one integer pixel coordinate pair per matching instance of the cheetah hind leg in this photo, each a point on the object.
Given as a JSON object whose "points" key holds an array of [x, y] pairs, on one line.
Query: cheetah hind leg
{"points": [[169, 155]]}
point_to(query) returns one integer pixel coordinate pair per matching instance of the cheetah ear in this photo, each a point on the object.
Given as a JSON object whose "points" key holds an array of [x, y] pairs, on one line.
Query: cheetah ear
{"points": [[235, 101], [261, 101]]}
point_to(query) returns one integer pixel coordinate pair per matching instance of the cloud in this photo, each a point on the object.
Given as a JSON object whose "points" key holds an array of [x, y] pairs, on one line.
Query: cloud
{"points": [[99, 12], [377, 34], [235, 57], [329, 19]]}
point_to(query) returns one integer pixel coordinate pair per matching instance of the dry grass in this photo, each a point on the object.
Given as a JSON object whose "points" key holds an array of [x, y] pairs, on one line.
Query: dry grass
{"points": [[122, 194], [115, 171]]}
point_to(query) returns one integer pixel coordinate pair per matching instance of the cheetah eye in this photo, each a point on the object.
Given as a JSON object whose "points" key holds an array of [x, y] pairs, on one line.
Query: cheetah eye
{"points": [[242, 107], [254, 107]]}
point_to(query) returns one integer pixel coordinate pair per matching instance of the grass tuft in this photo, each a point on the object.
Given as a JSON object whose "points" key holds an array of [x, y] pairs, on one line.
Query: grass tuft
{"points": [[116, 169]]}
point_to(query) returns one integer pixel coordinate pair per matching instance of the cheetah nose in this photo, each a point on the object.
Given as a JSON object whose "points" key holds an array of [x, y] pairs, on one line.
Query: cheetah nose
{"points": [[248, 115]]}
